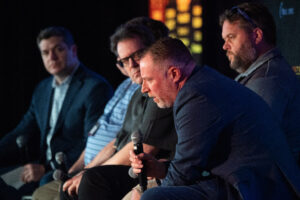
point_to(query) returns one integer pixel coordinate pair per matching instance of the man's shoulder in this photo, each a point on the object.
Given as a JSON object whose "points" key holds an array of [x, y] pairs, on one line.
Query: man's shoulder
{"points": [[47, 82]]}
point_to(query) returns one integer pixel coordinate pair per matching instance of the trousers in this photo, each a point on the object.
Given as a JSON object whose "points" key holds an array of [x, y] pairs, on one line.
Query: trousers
{"points": [[107, 182]]}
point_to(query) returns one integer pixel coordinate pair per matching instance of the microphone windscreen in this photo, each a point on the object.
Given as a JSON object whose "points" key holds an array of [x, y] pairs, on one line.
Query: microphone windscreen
{"points": [[132, 174], [60, 175], [57, 174], [21, 141], [136, 137], [59, 157]]}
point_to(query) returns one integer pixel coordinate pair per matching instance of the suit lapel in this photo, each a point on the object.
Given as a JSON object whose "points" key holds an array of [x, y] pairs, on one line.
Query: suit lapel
{"points": [[46, 110], [75, 85]]}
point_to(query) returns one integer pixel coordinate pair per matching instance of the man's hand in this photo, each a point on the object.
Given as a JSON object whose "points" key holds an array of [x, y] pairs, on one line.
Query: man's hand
{"points": [[154, 168], [32, 172], [72, 184]]}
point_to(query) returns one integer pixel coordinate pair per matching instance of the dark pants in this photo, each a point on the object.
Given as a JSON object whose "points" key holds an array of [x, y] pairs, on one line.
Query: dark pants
{"points": [[204, 190], [7, 192], [108, 182]]}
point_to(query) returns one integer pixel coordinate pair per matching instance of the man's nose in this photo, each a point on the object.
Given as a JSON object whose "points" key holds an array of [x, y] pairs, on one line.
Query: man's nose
{"points": [[226, 46], [144, 88], [53, 55], [133, 63]]}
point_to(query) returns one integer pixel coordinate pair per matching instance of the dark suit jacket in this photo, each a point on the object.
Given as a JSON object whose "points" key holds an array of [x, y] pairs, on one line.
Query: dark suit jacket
{"points": [[83, 104], [228, 131], [272, 78]]}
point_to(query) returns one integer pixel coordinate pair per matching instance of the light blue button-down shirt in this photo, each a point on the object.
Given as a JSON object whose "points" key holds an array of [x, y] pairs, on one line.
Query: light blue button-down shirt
{"points": [[59, 94]]}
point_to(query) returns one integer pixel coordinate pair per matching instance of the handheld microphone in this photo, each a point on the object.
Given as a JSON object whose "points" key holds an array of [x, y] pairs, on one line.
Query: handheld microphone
{"points": [[60, 159], [60, 175], [137, 141], [22, 145], [132, 174]]}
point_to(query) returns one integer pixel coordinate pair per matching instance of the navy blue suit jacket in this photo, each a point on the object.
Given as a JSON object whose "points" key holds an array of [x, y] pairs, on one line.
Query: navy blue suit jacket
{"points": [[228, 131], [83, 104]]}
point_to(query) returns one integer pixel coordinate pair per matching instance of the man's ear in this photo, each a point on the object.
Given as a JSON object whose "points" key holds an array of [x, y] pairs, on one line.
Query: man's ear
{"points": [[174, 73], [257, 35]]}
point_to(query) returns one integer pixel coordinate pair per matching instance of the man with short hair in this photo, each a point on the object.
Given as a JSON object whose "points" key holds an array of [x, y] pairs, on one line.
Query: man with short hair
{"points": [[108, 172], [229, 146], [64, 107], [249, 32]]}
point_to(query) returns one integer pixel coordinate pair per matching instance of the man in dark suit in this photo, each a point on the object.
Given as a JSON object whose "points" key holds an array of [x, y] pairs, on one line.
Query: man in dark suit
{"points": [[249, 34], [64, 107], [229, 146]]}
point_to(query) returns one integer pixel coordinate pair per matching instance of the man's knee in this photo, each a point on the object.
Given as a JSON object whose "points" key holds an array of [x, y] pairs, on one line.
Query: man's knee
{"points": [[153, 193], [47, 191]]}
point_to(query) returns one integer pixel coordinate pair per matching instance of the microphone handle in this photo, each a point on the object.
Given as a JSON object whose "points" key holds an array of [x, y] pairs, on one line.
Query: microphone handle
{"points": [[143, 180], [138, 148]]}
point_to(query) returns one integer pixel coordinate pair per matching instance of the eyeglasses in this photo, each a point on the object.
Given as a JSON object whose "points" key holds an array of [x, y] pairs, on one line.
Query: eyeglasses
{"points": [[244, 14], [135, 56]]}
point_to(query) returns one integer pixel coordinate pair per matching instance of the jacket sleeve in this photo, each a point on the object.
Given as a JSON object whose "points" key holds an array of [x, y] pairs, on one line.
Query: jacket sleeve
{"points": [[198, 124]]}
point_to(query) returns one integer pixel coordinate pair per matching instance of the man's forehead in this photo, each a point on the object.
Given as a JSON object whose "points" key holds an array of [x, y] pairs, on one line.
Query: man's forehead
{"points": [[52, 41], [230, 27], [127, 46], [146, 62]]}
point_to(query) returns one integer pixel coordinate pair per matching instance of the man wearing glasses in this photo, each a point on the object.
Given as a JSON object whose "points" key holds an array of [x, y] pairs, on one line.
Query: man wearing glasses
{"points": [[229, 145], [249, 33], [106, 176]]}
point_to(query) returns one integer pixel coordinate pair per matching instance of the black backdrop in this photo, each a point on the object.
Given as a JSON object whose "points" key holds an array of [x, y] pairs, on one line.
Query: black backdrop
{"points": [[92, 23]]}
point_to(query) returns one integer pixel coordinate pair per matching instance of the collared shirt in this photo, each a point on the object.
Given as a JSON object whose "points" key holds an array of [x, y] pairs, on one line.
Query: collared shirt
{"points": [[59, 94], [258, 63], [111, 121]]}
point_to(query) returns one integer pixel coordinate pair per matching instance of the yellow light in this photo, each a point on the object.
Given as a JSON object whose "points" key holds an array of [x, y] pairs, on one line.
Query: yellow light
{"points": [[196, 48], [183, 31], [171, 24], [183, 5], [197, 10], [197, 22], [183, 18], [197, 36], [170, 13], [186, 41]]}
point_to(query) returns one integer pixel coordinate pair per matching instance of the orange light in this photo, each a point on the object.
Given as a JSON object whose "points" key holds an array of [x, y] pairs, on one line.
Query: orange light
{"points": [[183, 5], [157, 9], [197, 10]]}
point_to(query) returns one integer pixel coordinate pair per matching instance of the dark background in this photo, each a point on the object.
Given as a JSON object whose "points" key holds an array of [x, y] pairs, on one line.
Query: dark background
{"points": [[92, 23]]}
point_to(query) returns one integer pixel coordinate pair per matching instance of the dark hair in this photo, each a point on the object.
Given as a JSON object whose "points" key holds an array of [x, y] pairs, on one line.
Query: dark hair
{"points": [[146, 29], [170, 49], [158, 28], [56, 31], [258, 13]]}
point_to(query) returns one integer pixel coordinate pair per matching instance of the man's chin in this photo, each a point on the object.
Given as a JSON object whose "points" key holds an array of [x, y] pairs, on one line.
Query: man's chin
{"points": [[162, 105]]}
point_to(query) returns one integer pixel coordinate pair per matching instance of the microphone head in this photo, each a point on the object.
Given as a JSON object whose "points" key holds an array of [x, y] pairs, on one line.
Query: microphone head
{"points": [[132, 174], [59, 157], [57, 174], [21, 141], [136, 137]]}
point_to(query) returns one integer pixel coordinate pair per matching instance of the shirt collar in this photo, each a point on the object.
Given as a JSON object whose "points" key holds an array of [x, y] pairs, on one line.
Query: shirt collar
{"points": [[67, 80], [258, 62]]}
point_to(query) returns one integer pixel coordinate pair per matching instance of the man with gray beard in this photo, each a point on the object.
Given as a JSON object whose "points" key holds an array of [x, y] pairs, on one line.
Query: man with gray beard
{"points": [[249, 32]]}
